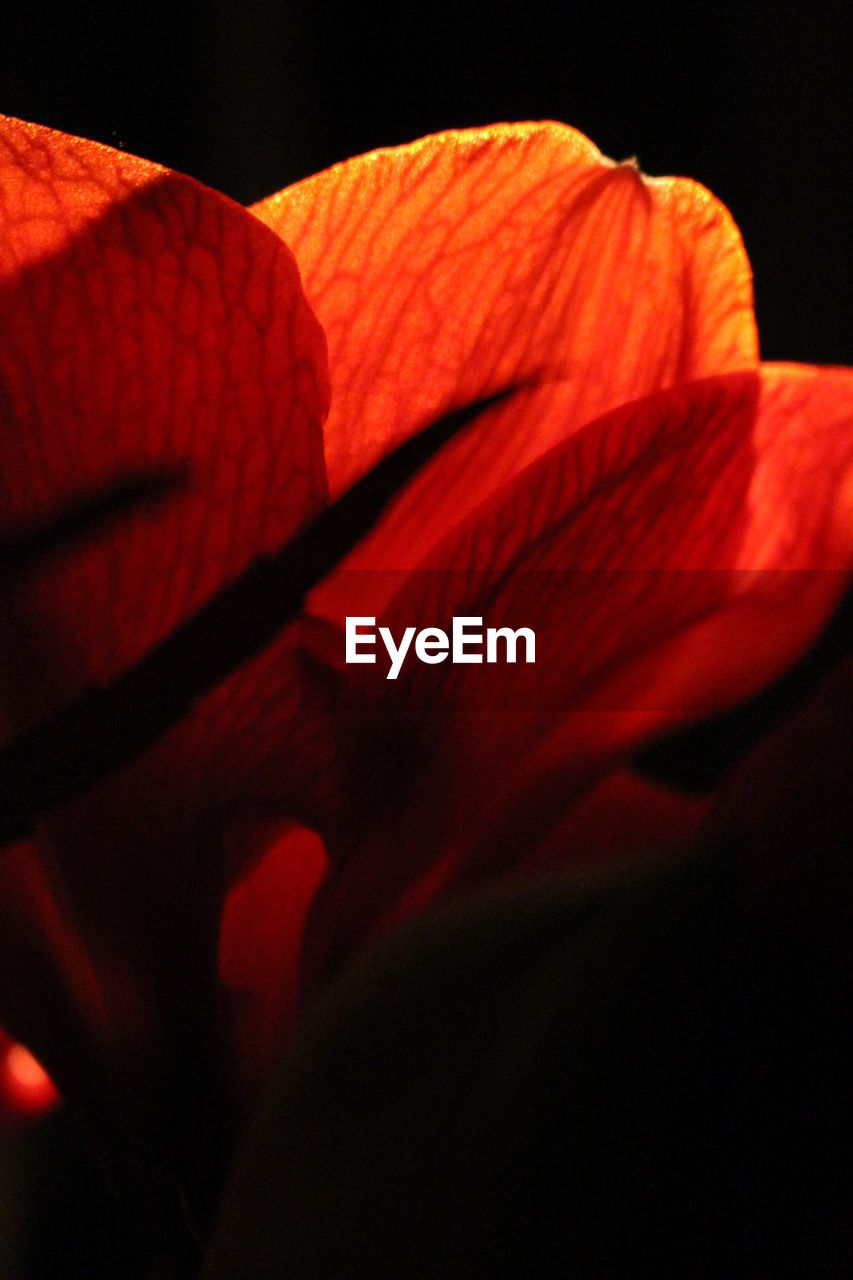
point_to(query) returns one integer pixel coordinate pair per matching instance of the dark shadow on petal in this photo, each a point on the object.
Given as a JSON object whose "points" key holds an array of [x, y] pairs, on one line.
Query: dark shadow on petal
{"points": [[84, 518], [108, 728], [695, 759], [563, 1078]]}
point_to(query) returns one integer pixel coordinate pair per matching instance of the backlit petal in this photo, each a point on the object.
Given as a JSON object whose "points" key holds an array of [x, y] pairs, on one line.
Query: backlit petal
{"points": [[672, 558], [152, 331], [471, 261], [150, 327]]}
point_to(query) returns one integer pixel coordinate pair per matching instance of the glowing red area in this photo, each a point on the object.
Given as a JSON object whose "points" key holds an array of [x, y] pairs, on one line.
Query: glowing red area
{"points": [[260, 941], [24, 1083]]}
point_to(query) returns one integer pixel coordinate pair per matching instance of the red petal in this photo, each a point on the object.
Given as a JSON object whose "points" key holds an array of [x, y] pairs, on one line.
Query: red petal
{"points": [[623, 817], [786, 807], [262, 925], [470, 261], [672, 558], [149, 326], [25, 1087], [260, 941]]}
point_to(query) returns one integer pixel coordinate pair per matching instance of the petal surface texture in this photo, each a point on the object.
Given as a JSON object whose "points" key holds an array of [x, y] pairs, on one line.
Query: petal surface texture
{"points": [[474, 260], [672, 558], [153, 334], [151, 328]]}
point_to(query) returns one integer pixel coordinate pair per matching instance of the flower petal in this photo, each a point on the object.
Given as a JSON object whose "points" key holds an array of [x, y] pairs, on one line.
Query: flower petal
{"points": [[25, 1087], [260, 940], [672, 558], [786, 807], [475, 260], [543, 1079], [622, 818], [156, 342], [151, 328]]}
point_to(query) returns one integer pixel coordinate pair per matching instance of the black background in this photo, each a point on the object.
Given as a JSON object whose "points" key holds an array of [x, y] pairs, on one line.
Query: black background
{"points": [[752, 99]]}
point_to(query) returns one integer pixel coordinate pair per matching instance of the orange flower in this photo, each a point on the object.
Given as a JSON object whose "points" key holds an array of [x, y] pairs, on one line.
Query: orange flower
{"points": [[672, 519]]}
